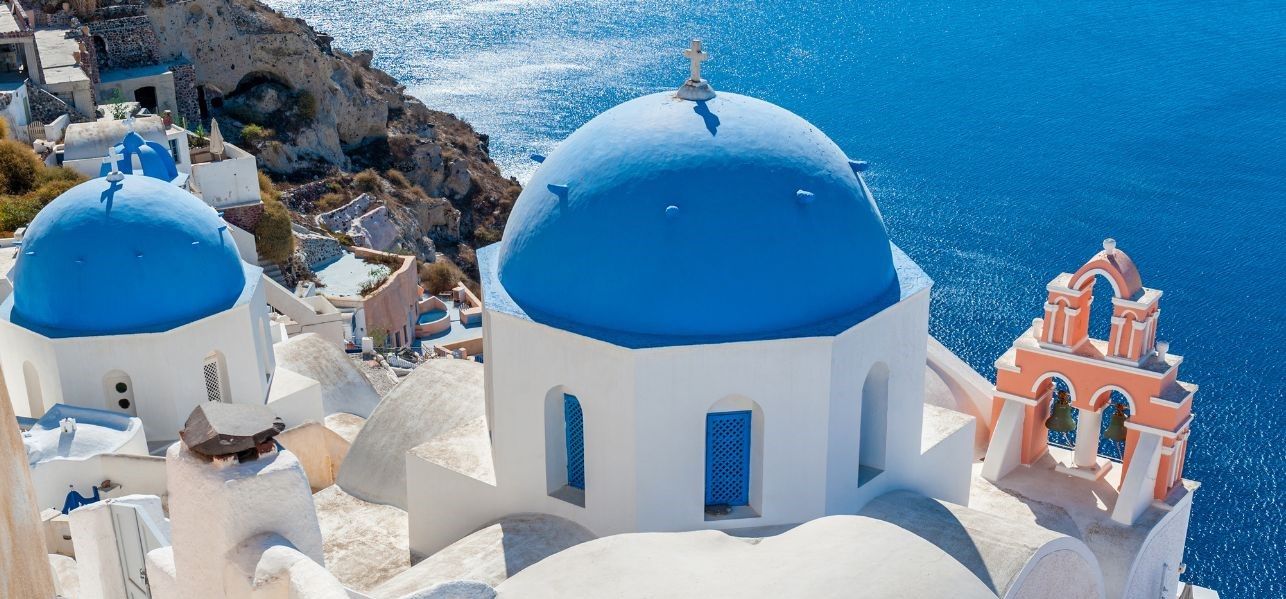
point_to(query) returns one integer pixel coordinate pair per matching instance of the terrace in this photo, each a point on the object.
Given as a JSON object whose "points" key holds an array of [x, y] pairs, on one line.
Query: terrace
{"points": [[449, 323]]}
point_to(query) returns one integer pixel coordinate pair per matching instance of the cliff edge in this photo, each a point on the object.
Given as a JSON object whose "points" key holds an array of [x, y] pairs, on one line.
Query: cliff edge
{"points": [[310, 111]]}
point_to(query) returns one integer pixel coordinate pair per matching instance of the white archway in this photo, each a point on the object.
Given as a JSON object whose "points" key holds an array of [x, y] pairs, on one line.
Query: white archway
{"points": [[874, 423], [565, 446]]}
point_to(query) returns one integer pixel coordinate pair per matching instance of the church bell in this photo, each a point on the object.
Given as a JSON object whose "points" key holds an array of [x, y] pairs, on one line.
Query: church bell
{"points": [[1061, 420], [1115, 430]]}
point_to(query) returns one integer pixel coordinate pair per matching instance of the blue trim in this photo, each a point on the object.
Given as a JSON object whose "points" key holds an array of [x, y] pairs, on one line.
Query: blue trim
{"points": [[75, 500], [728, 458], [574, 421], [911, 280], [52, 419]]}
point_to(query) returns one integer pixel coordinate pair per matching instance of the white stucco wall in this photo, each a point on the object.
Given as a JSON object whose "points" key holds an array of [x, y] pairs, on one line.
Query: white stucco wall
{"points": [[1156, 565], [233, 181], [15, 114], [96, 530], [295, 398], [165, 368], [645, 428], [136, 475], [217, 507]]}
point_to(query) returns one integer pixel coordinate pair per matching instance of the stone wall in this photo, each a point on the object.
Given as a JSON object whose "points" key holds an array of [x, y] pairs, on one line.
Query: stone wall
{"points": [[185, 93], [318, 249], [375, 229], [88, 60], [304, 198], [244, 217], [46, 107], [131, 42], [338, 220]]}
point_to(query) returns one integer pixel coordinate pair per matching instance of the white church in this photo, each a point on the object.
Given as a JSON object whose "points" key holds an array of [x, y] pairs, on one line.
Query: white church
{"points": [[708, 374]]}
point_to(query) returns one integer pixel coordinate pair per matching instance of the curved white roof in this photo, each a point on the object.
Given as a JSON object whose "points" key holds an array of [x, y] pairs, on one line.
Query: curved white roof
{"points": [[836, 556], [343, 387], [436, 399], [96, 432]]}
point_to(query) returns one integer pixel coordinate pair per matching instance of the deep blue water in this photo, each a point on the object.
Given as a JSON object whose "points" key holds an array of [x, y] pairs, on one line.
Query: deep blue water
{"points": [[1005, 143]]}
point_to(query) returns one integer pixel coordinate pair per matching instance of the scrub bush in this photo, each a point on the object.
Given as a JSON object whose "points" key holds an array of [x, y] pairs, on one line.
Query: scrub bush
{"points": [[254, 134], [273, 237], [19, 167], [440, 276], [367, 181]]}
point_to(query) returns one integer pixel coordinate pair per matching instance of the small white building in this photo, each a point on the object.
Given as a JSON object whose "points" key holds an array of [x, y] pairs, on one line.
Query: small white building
{"points": [[695, 319], [225, 177], [85, 145], [130, 296]]}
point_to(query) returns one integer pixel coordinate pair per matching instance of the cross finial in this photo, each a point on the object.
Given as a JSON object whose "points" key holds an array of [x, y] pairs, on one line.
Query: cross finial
{"points": [[129, 122], [113, 158], [697, 56], [696, 88]]}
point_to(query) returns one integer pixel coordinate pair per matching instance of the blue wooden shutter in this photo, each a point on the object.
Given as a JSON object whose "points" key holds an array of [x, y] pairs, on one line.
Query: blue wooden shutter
{"points": [[728, 458], [574, 421]]}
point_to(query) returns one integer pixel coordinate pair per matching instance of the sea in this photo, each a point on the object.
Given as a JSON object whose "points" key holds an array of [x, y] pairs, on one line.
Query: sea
{"points": [[1005, 142]]}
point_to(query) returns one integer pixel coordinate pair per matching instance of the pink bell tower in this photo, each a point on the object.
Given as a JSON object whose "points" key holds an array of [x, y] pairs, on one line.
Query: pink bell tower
{"points": [[1131, 362]]}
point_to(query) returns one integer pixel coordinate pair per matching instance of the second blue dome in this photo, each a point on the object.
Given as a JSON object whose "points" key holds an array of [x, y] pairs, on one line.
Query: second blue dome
{"points": [[136, 256]]}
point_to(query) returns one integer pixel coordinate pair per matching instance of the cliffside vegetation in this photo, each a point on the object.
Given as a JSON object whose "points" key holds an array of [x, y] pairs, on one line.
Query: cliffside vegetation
{"points": [[440, 277], [26, 184], [272, 235]]}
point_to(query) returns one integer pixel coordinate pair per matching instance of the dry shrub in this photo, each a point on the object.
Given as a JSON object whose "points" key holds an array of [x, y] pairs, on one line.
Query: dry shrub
{"points": [[440, 276], [19, 167], [398, 179], [367, 181]]}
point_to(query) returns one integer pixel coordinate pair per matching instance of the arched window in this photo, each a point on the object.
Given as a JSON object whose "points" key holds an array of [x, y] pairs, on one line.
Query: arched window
{"points": [[118, 391], [35, 399], [215, 372], [565, 446], [874, 424]]}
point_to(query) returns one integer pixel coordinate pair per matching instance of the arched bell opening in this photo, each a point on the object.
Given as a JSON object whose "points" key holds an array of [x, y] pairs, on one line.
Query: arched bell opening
{"points": [[1100, 307], [1075, 432], [1116, 412], [1061, 416]]}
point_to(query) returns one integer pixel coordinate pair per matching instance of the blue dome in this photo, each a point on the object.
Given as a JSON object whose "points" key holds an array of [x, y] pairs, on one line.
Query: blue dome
{"points": [[137, 256], [728, 217]]}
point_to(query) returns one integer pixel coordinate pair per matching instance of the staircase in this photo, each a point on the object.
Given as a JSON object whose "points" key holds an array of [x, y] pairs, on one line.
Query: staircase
{"points": [[272, 271]]}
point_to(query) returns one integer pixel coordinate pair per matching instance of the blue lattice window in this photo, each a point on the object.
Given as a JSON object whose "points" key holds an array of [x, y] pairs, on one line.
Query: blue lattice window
{"points": [[574, 421], [728, 458]]}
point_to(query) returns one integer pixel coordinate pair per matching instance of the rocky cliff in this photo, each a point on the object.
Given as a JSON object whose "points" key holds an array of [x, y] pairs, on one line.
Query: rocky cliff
{"points": [[311, 111]]}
